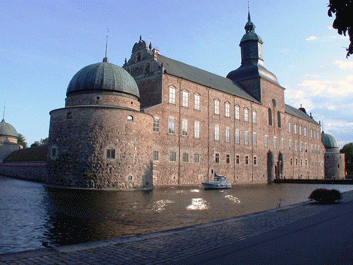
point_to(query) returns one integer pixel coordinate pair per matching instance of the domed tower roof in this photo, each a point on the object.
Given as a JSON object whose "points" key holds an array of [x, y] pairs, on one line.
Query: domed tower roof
{"points": [[103, 77], [329, 141], [7, 129]]}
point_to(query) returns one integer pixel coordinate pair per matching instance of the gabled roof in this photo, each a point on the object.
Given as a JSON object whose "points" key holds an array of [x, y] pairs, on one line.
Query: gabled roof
{"points": [[203, 77], [300, 114]]}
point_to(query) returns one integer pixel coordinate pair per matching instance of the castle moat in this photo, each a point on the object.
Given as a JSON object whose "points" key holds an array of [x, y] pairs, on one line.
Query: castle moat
{"points": [[32, 215]]}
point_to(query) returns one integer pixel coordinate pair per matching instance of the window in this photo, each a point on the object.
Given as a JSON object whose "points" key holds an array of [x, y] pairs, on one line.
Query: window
{"points": [[155, 155], [290, 144], [254, 116], [130, 118], [279, 120], [171, 125], [291, 161], [237, 159], [254, 139], [110, 153], [69, 116], [311, 133], [227, 135], [255, 160], [300, 130], [237, 136], [197, 102], [305, 147], [289, 127], [282, 143], [185, 99], [196, 158], [227, 110], [246, 160], [295, 146], [185, 157], [295, 129], [228, 159], [266, 141], [172, 156], [172, 95], [246, 115], [129, 178], [156, 124], [184, 128], [274, 143], [300, 147], [216, 158], [270, 117], [216, 107], [197, 129], [54, 152], [304, 131], [246, 138], [216, 133], [236, 112]]}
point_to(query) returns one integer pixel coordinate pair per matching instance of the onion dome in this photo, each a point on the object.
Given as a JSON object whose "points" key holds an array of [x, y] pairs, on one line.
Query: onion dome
{"points": [[250, 32], [103, 77], [7, 129], [329, 141]]}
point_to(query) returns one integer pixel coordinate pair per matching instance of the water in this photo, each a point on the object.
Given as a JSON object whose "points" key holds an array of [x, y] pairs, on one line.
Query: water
{"points": [[31, 214]]}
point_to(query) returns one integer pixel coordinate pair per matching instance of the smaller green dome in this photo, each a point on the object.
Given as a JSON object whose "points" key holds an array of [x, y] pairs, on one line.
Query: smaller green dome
{"points": [[329, 141], [7, 129]]}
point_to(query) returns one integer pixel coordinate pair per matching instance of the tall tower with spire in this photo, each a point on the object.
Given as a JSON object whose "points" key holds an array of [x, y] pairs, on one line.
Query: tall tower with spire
{"points": [[252, 69]]}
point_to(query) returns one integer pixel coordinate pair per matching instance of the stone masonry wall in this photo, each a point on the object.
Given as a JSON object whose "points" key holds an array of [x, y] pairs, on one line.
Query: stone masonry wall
{"points": [[82, 144]]}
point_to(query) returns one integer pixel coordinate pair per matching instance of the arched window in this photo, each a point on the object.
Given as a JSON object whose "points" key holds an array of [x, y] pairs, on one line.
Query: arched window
{"points": [[54, 151], [69, 116], [130, 118], [279, 120], [270, 117]]}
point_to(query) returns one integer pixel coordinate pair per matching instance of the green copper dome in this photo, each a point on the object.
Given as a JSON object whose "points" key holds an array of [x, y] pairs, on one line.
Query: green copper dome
{"points": [[329, 141], [103, 77], [7, 129]]}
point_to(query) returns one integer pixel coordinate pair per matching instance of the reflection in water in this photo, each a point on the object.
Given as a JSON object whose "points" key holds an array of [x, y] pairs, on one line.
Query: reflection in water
{"points": [[197, 204], [31, 214]]}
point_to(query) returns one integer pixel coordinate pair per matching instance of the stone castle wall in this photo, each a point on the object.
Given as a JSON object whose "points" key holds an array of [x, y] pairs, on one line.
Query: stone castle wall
{"points": [[82, 142], [34, 171]]}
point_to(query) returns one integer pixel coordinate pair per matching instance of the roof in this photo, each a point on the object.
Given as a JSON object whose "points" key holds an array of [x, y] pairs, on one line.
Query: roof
{"points": [[38, 153], [203, 77], [329, 141], [299, 113], [6, 129], [103, 77]]}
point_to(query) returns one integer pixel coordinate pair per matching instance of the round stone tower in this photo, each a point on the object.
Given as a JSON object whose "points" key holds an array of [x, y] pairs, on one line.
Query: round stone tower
{"points": [[8, 140], [334, 160], [101, 139]]}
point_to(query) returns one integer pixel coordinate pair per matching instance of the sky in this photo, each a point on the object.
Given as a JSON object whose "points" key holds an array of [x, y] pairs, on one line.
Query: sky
{"points": [[44, 43]]}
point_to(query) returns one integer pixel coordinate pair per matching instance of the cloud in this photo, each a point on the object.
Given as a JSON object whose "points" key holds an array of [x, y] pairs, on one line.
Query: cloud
{"points": [[311, 38], [344, 64]]}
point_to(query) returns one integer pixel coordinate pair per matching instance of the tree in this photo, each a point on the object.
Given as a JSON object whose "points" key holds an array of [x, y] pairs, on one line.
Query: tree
{"points": [[41, 142], [21, 140], [348, 151], [343, 21]]}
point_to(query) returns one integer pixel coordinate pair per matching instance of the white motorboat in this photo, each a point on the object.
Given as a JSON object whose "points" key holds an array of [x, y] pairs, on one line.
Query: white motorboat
{"points": [[219, 182]]}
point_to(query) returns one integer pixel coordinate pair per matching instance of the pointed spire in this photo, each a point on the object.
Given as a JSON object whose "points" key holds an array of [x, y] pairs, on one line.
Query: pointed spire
{"points": [[249, 26], [105, 59], [3, 115]]}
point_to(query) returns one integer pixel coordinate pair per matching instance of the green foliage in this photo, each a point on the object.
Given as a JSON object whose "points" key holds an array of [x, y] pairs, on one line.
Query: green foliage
{"points": [[348, 151], [343, 9], [325, 196], [21, 140], [41, 142]]}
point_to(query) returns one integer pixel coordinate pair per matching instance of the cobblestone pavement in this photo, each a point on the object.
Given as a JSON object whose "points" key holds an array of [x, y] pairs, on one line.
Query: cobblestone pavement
{"points": [[173, 245]]}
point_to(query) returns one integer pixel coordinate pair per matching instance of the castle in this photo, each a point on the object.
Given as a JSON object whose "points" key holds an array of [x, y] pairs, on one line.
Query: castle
{"points": [[157, 121]]}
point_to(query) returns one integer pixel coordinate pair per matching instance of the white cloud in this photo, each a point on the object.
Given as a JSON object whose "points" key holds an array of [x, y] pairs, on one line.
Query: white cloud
{"points": [[311, 38], [344, 64]]}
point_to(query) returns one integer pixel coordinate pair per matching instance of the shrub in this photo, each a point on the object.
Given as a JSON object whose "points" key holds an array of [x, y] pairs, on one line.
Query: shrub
{"points": [[325, 195]]}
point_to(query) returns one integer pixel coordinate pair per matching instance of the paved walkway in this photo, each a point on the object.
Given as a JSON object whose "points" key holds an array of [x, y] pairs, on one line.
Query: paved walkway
{"points": [[306, 233]]}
